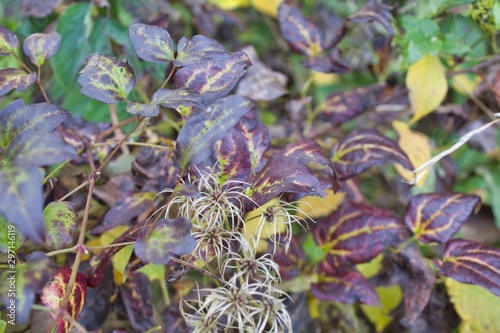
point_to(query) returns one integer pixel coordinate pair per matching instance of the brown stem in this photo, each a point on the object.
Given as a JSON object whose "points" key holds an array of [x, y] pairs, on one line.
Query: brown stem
{"points": [[94, 175], [198, 269], [168, 77], [118, 131], [114, 127], [475, 69], [39, 83], [125, 138], [22, 63]]}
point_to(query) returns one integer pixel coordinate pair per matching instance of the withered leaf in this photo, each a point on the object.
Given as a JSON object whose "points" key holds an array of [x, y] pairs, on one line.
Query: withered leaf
{"points": [[436, 217], [138, 301], [409, 269], [151, 43], [106, 79], [364, 148], [357, 233], [40, 47], [473, 263], [260, 83], [13, 78], [212, 79]]}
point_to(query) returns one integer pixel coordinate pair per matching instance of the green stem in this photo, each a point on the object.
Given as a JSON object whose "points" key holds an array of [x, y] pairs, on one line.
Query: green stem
{"points": [[56, 170]]}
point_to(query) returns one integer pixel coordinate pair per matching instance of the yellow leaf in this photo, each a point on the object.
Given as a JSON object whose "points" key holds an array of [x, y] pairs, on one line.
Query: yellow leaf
{"points": [[465, 84], [316, 207], [426, 81], [416, 146], [267, 7], [252, 220], [324, 79], [477, 307], [371, 268], [390, 297], [120, 260], [230, 4]]}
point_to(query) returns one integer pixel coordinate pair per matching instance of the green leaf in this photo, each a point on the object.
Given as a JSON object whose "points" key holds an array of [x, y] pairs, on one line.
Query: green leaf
{"points": [[202, 130], [106, 78], [477, 307], [60, 220], [22, 200], [421, 44], [8, 41], [151, 43], [168, 237], [74, 25], [10, 239], [39, 47], [453, 44], [28, 277], [13, 78]]}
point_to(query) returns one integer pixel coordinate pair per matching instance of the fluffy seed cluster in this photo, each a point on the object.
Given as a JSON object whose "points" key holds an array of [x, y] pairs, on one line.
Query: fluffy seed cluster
{"points": [[248, 300]]}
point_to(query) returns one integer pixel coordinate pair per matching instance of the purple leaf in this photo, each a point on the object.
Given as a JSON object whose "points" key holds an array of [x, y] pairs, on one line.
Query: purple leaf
{"points": [[151, 43], [13, 78], [40, 47]]}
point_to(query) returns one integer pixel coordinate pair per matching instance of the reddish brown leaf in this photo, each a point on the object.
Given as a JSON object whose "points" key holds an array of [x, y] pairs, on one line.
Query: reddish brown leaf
{"points": [[213, 79], [357, 233], [160, 166], [13, 78], [53, 295], [257, 137], [302, 36], [473, 263], [437, 217], [363, 149], [339, 107], [283, 174], [342, 284], [40, 47]]}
